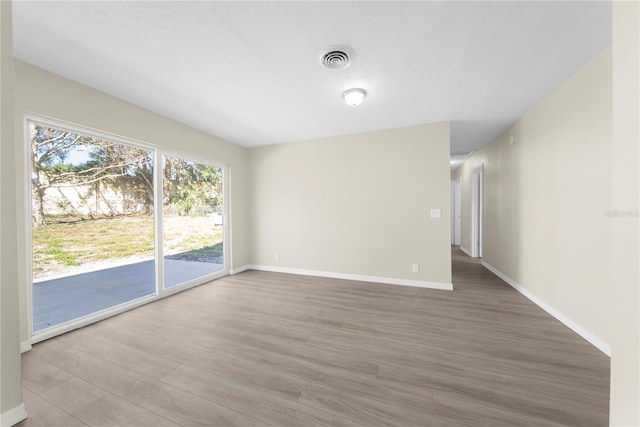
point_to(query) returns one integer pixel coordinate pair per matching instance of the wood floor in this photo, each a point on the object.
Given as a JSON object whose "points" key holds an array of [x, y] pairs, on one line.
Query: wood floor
{"points": [[260, 349]]}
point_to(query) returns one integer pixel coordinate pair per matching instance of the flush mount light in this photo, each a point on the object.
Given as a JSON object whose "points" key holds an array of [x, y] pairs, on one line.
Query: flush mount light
{"points": [[354, 97]]}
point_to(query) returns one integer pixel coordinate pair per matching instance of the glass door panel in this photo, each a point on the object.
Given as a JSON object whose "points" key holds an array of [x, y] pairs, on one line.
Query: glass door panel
{"points": [[193, 232], [92, 224]]}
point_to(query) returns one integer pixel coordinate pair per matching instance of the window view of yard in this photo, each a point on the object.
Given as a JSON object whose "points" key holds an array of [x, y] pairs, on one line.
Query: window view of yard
{"points": [[68, 245], [93, 223], [192, 216]]}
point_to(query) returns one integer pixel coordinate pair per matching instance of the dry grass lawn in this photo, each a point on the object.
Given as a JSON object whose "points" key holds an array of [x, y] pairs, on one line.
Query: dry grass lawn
{"points": [[67, 243]]}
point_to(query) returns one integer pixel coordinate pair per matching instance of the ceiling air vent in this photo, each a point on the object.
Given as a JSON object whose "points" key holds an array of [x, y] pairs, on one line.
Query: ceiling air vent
{"points": [[336, 57]]}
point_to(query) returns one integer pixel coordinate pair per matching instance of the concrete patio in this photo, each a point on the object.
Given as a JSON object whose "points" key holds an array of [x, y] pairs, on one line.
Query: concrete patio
{"points": [[60, 300]]}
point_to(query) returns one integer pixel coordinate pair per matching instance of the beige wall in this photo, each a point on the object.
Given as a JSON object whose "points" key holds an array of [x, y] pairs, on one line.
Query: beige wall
{"points": [[356, 204], [545, 198], [624, 281], [46, 94], [10, 382]]}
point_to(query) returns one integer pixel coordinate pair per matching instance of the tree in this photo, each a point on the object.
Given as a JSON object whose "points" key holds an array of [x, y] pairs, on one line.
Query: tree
{"points": [[191, 188], [132, 163], [50, 151], [49, 147]]}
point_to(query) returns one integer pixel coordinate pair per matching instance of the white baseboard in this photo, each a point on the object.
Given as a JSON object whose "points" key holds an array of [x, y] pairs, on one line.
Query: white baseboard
{"points": [[358, 277], [240, 269], [25, 346], [13, 416], [577, 328], [466, 251]]}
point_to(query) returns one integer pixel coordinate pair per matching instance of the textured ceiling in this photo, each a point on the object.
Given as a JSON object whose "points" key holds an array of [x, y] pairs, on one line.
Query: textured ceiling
{"points": [[249, 71]]}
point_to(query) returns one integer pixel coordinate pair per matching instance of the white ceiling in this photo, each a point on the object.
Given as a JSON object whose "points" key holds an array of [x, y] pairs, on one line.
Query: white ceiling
{"points": [[249, 71]]}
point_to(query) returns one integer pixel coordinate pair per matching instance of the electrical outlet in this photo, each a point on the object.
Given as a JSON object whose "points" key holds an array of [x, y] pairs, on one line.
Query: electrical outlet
{"points": [[415, 268], [277, 257]]}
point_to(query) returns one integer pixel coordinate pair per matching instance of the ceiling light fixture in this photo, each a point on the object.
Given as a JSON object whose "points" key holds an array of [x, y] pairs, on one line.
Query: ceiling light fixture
{"points": [[354, 97]]}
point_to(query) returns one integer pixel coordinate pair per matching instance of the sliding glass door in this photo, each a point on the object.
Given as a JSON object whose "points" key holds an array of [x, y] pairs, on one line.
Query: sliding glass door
{"points": [[193, 215], [92, 224], [115, 224]]}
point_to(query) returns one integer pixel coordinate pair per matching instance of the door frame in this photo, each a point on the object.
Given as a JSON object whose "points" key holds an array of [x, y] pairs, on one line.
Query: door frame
{"points": [[477, 208], [456, 207]]}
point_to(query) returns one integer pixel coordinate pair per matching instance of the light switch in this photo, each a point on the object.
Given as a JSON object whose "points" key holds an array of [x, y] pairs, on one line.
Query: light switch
{"points": [[436, 213]]}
